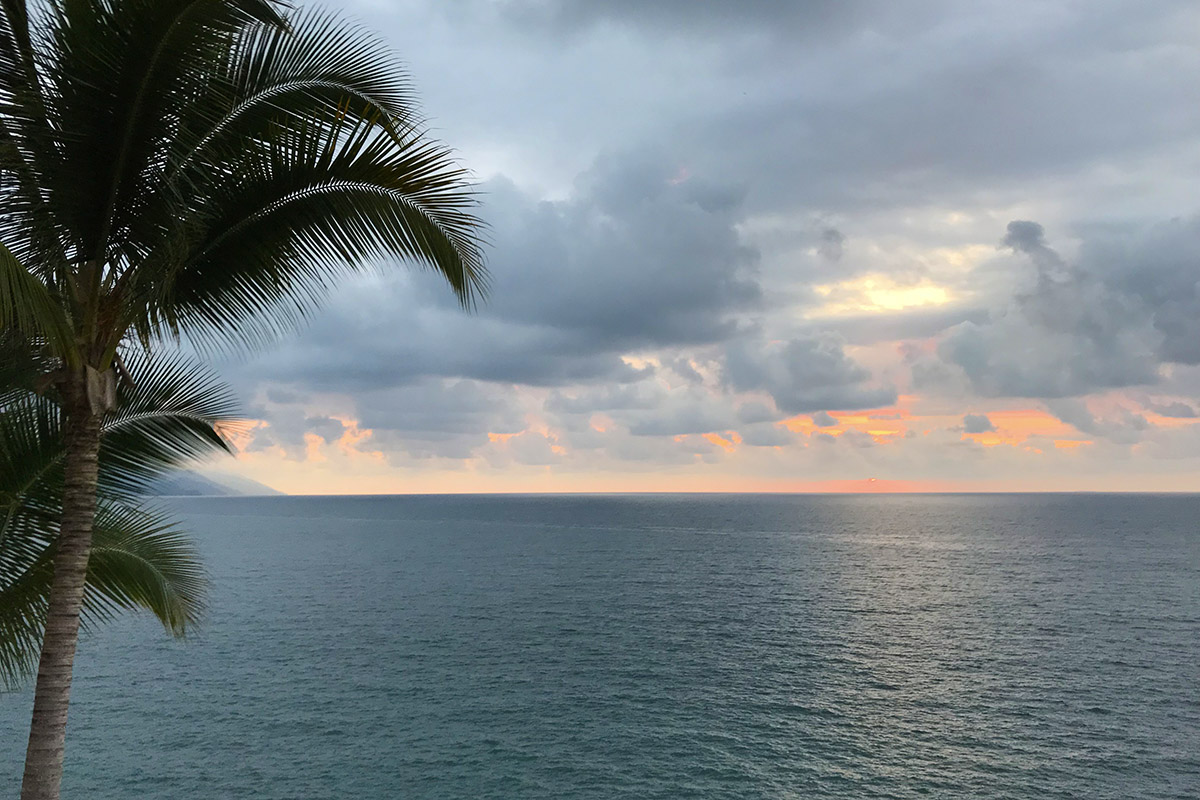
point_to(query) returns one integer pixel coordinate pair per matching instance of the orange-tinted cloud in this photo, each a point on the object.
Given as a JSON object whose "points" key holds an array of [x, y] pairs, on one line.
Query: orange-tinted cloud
{"points": [[881, 424], [1015, 426], [728, 445]]}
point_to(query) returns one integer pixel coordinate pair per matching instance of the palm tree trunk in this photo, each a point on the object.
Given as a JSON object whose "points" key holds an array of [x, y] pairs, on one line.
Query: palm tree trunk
{"points": [[48, 730]]}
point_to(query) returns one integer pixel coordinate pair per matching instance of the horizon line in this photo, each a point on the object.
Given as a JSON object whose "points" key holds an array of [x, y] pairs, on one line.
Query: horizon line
{"points": [[779, 493]]}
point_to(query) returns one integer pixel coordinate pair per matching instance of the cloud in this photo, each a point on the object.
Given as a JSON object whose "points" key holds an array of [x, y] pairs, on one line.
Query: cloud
{"points": [[608, 398], [669, 210], [1174, 409], [977, 423], [692, 418], [289, 428], [754, 412], [823, 419], [433, 418], [1072, 332], [630, 261], [803, 374], [809, 18], [529, 448], [831, 244], [762, 435], [1156, 267], [1124, 427]]}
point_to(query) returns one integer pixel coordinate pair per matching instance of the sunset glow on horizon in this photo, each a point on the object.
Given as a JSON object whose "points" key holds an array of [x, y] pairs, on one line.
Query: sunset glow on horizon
{"points": [[351, 463]]}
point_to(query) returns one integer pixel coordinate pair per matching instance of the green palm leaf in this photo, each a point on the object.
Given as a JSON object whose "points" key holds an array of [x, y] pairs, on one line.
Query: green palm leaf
{"points": [[27, 306], [140, 558], [168, 417], [261, 254]]}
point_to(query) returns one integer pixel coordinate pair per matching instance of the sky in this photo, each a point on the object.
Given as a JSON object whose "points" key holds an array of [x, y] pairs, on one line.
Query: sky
{"points": [[820, 245]]}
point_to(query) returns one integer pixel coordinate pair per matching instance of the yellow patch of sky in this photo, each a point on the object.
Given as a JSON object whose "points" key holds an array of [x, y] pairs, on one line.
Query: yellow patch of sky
{"points": [[879, 291], [876, 293]]}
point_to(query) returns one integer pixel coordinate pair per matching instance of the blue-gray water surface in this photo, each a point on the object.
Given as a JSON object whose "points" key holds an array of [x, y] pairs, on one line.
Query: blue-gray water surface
{"points": [[1037, 646]]}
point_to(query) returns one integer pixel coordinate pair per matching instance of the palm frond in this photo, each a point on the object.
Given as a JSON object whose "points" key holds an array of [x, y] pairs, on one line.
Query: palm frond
{"points": [[22, 365], [27, 306], [337, 195], [169, 417], [282, 75], [140, 560]]}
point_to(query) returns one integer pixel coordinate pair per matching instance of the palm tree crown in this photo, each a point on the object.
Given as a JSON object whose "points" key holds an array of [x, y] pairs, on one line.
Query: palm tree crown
{"points": [[207, 167]]}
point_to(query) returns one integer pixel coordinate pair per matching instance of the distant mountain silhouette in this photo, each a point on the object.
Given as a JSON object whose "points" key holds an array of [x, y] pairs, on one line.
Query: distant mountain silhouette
{"points": [[186, 483]]}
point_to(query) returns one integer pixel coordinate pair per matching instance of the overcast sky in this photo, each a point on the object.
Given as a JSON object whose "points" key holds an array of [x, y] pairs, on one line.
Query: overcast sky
{"points": [[777, 246]]}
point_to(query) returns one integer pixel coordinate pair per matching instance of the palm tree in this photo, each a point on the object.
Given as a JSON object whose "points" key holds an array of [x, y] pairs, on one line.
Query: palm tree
{"points": [[202, 169], [140, 558]]}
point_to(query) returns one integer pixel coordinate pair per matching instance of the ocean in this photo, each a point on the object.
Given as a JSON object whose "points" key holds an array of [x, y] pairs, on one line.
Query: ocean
{"points": [[672, 646]]}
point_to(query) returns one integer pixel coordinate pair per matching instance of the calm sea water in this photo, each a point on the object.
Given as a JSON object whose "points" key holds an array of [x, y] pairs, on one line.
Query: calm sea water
{"points": [[658, 647]]}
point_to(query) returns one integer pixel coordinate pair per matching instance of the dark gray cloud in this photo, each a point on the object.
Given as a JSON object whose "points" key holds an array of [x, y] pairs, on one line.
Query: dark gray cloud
{"points": [[1174, 409], [755, 412], [1125, 427], [977, 423], [636, 258], [288, 427], [633, 260], [437, 418], [807, 18], [426, 419], [937, 111], [607, 398], [690, 419], [803, 374], [440, 408], [763, 435], [1158, 267], [823, 419], [832, 244]]}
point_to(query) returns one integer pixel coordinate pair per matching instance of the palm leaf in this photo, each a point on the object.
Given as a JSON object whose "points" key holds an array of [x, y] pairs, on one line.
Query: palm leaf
{"points": [[140, 560], [167, 418], [27, 306], [337, 196]]}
